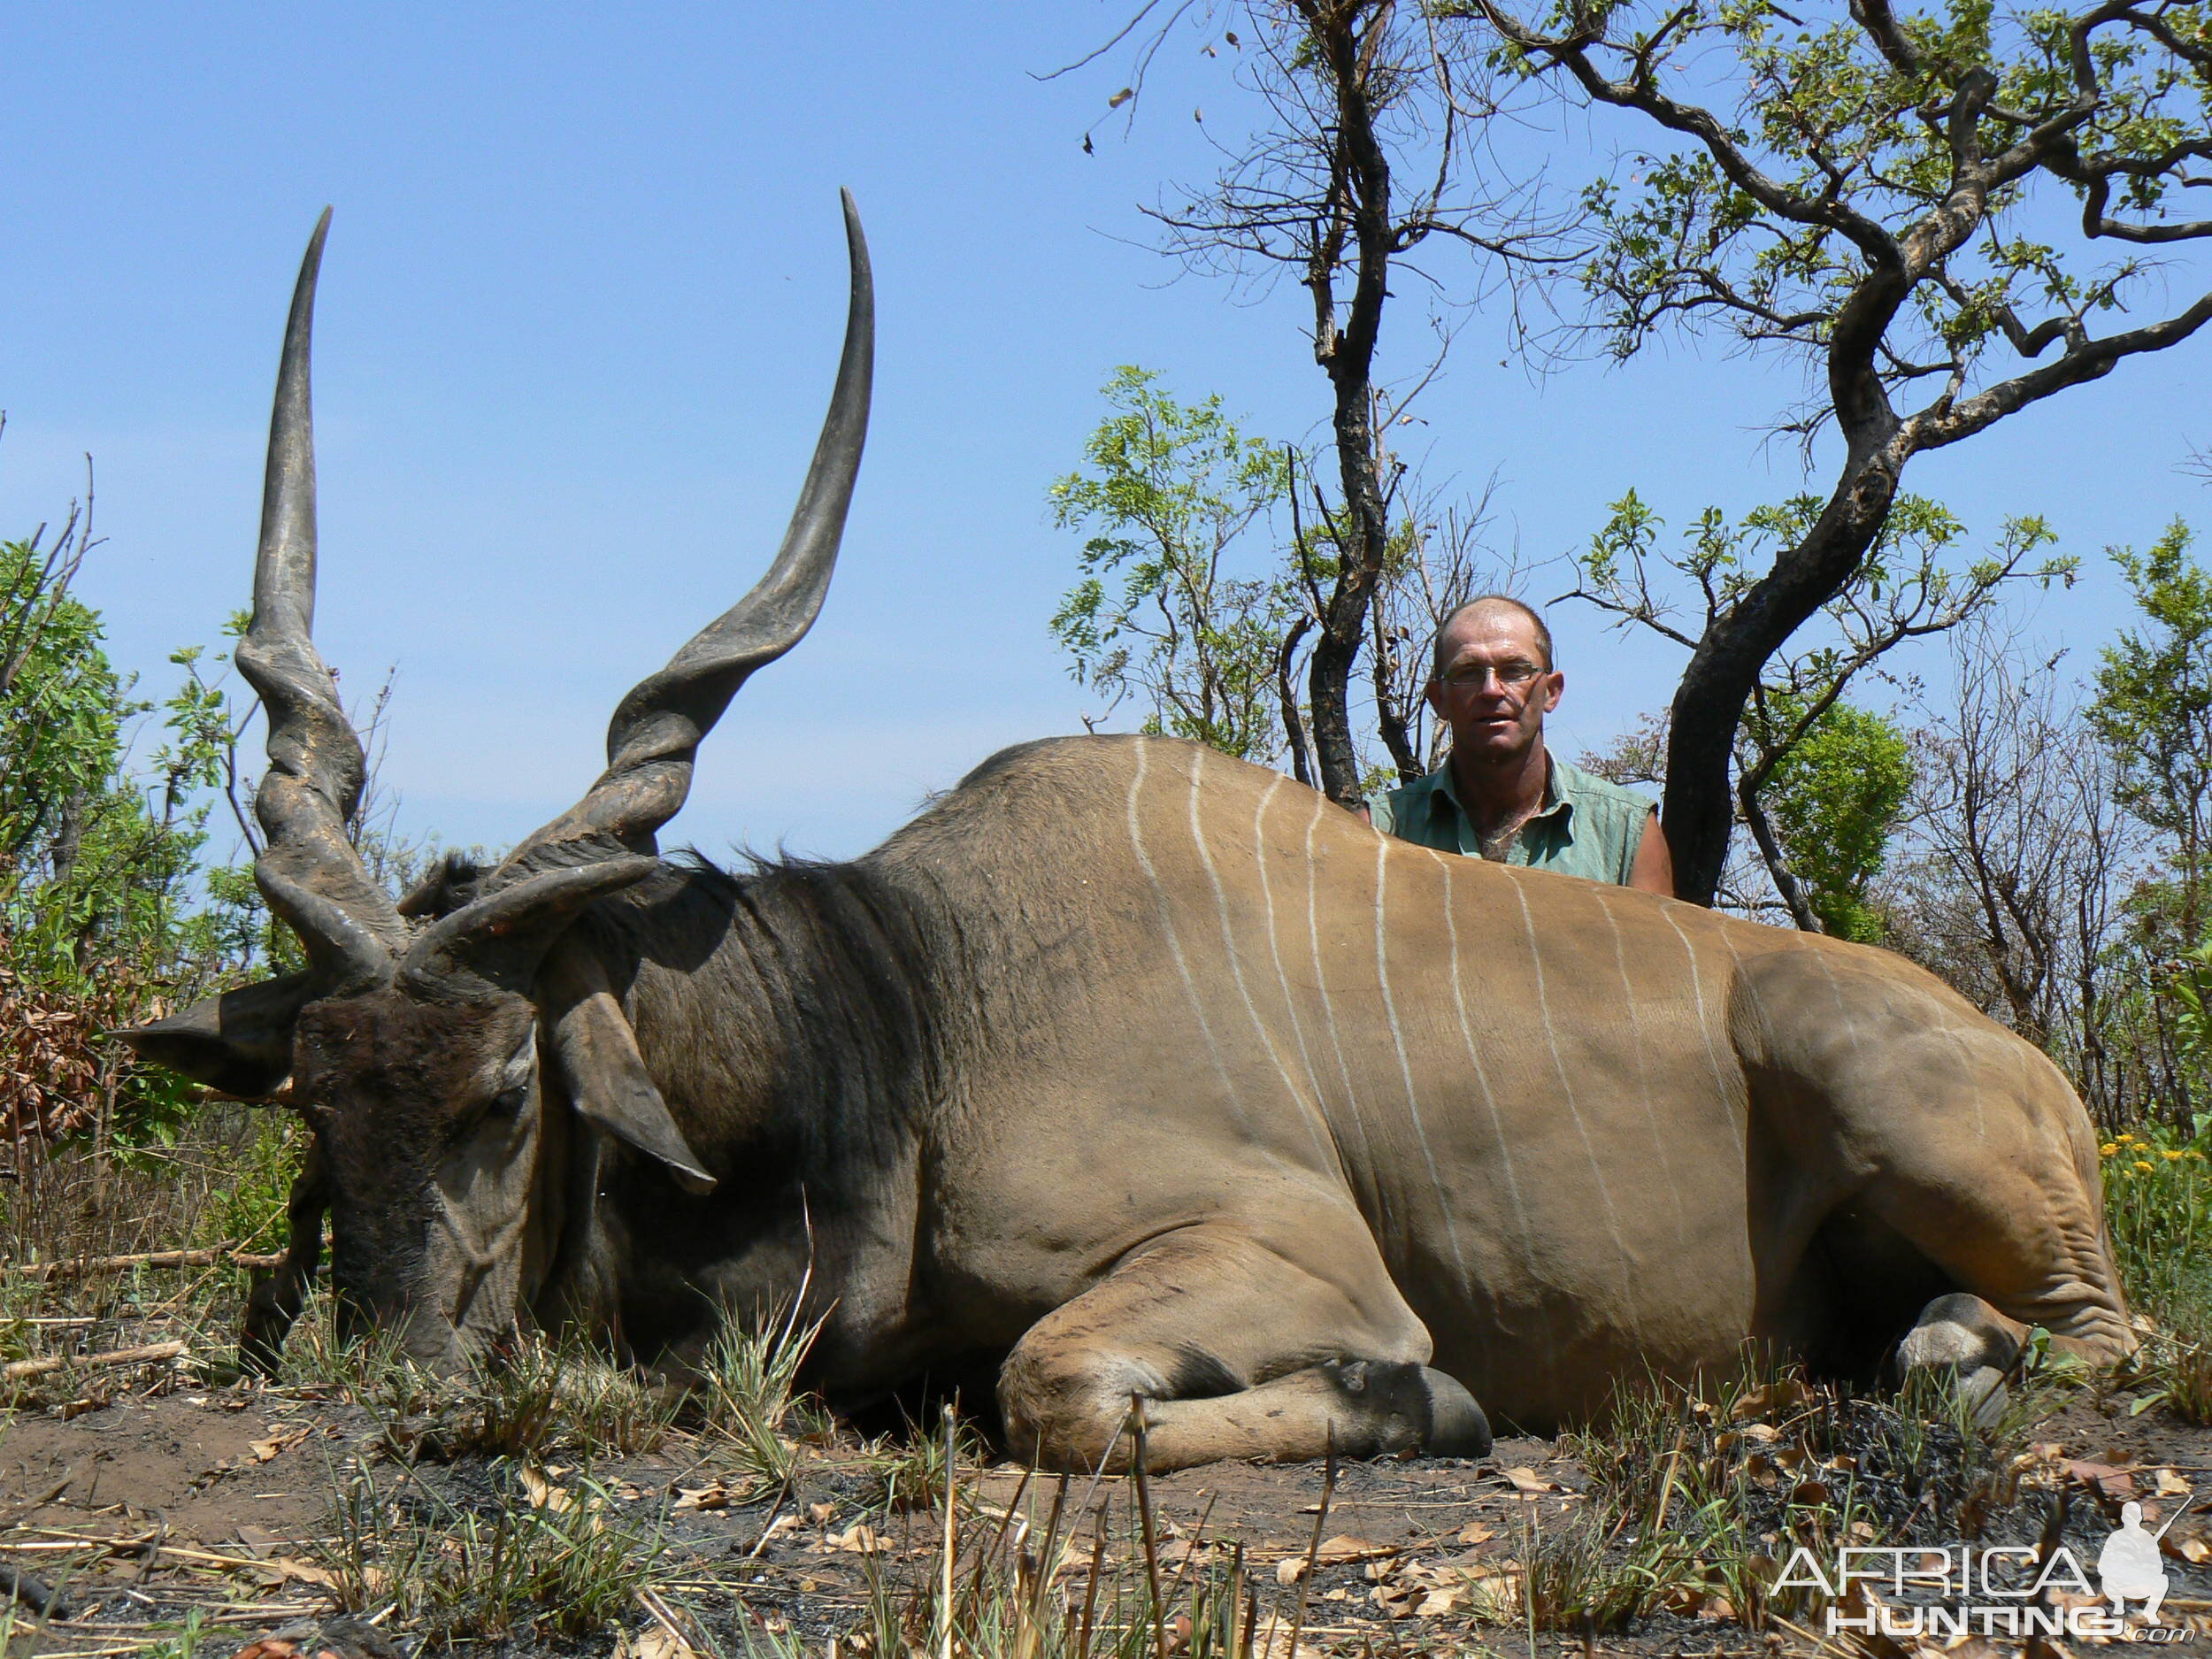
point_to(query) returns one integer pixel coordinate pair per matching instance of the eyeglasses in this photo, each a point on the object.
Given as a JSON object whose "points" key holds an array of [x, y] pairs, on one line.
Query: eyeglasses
{"points": [[1472, 676]]}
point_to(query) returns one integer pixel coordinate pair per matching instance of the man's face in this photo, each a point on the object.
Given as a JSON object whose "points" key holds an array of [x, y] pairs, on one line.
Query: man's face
{"points": [[1492, 687]]}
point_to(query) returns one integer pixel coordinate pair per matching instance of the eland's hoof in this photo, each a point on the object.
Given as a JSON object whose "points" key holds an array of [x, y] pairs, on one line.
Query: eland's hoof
{"points": [[1413, 1409], [1457, 1427]]}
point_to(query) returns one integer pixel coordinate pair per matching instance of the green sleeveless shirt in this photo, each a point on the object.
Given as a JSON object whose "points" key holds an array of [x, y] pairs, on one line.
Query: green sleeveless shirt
{"points": [[1585, 827]]}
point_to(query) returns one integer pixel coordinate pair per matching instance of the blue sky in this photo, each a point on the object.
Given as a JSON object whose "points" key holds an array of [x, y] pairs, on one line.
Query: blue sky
{"points": [[578, 317]]}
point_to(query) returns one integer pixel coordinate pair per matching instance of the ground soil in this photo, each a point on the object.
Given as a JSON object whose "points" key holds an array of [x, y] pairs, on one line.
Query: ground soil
{"points": [[171, 1495]]}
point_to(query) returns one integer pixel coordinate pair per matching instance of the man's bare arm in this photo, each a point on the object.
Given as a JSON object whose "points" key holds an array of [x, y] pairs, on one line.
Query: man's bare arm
{"points": [[1654, 869]]}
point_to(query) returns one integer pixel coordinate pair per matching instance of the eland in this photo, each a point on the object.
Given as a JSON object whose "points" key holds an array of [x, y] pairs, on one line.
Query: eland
{"points": [[1147, 1073]]}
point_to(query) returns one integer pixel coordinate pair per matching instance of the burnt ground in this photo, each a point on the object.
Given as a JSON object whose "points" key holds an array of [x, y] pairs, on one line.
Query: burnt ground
{"points": [[172, 1501]]}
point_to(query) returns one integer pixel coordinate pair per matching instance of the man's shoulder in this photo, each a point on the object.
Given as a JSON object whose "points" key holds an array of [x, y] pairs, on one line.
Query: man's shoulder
{"points": [[1599, 795], [1402, 811]]}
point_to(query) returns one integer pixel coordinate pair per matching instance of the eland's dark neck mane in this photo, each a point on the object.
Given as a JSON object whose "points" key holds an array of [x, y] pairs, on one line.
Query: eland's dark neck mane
{"points": [[799, 1004]]}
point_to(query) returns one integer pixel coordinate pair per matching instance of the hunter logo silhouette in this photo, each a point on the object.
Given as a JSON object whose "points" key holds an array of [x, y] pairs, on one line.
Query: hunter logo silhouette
{"points": [[2129, 1566]]}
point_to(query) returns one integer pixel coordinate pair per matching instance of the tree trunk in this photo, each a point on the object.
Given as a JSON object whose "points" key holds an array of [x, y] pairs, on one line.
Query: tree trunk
{"points": [[1779, 870], [1339, 32], [1397, 730], [1697, 810], [1287, 689]]}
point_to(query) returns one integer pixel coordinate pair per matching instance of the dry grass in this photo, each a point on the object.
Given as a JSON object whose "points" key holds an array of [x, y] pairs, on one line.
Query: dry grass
{"points": [[454, 1519], [223, 1183]]}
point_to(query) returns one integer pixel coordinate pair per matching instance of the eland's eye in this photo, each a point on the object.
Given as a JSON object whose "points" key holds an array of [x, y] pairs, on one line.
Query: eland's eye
{"points": [[511, 1101]]}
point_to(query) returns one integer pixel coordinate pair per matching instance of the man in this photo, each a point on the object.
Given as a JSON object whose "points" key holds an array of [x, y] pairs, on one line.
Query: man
{"points": [[1500, 795]]}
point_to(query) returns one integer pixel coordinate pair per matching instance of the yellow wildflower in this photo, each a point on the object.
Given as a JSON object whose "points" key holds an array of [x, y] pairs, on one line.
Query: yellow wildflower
{"points": [[2123, 1137], [2108, 1149], [2142, 1166], [2170, 1156]]}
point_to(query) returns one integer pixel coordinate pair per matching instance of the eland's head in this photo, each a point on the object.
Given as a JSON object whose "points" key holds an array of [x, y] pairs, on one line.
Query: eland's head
{"points": [[430, 1039]]}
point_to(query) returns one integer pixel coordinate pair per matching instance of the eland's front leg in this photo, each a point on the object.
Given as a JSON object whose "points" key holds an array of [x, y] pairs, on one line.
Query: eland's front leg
{"points": [[1234, 1350]]}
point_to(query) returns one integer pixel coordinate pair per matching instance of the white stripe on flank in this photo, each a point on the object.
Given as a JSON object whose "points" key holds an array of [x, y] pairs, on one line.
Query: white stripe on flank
{"points": [[1299, 1100], [1174, 945], [1705, 1025], [1643, 1073], [1274, 948], [1567, 1091], [1405, 1068], [1321, 989], [1497, 1123]]}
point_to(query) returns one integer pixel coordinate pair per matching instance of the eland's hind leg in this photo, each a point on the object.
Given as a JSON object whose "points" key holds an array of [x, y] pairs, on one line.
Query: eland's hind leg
{"points": [[2000, 1190], [1955, 1133]]}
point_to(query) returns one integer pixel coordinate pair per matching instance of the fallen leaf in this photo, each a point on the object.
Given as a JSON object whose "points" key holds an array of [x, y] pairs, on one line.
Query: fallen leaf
{"points": [[820, 1513], [1773, 1398], [264, 1451], [1188, 1552], [2187, 1542], [858, 1540], [716, 1496], [2102, 1479], [1396, 1600], [1344, 1547], [2171, 1485], [1290, 1570], [1476, 1532], [542, 1493], [1528, 1482], [287, 1570], [658, 1642], [257, 1541], [1274, 1642]]}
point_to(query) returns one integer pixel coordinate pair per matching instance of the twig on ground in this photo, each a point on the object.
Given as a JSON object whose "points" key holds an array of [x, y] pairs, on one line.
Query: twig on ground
{"points": [[84, 1265], [40, 1367]]}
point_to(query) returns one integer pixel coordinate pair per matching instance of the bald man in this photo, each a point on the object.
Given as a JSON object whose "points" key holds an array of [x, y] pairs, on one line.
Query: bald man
{"points": [[1500, 795]]}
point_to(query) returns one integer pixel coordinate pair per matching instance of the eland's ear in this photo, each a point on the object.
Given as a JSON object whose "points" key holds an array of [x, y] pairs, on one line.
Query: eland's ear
{"points": [[606, 1079], [239, 1042]]}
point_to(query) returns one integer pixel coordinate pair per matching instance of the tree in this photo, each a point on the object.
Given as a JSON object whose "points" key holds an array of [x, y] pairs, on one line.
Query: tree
{"points": [[1171, 493], [1439, 559], [89, 863], [1867, 196], [1355, 100], [2019, 859], [1819, 828], [1834, 797], [2154, 711]]}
